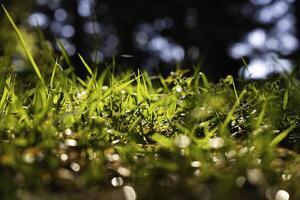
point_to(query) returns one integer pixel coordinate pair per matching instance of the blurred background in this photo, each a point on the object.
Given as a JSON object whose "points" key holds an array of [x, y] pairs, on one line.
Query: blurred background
{"points": [[158, 35]]}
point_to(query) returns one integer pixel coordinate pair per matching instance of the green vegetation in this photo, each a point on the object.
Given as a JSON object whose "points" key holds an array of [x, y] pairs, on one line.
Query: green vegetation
{"points": [[132, 135]]}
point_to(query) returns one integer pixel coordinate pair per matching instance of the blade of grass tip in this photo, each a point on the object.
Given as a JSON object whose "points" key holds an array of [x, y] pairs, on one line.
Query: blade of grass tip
{"points": [[281, 136], [285, 98], [64, 53], [5, 92], [204, 79], [87, 67], [26, 49], [261, 115], [53, 74], [230, 114]]}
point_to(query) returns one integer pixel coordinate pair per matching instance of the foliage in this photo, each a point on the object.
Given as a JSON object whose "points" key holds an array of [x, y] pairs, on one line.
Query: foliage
{"points": [[128, 135]]}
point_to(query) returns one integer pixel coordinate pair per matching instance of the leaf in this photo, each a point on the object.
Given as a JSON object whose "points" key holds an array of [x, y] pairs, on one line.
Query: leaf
{"points": [[281, 136], [26, 49]]}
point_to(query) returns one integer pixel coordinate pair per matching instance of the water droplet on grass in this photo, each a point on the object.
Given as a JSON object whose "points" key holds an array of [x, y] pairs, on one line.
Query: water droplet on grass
{"points": [[105, 87], [117, 181], [75, 166], [282, 195], [182, 141], [286, 176], [129, 193], [240, 181], [71, 142], [68, 132], [196, 164], [216, 143], [178, 89], [124, 171], [64, 157], [255, 176], [28, 158]]}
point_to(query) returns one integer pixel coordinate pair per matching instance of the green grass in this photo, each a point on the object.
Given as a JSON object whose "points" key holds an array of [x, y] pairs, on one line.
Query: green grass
{"points": [[128, 135]]}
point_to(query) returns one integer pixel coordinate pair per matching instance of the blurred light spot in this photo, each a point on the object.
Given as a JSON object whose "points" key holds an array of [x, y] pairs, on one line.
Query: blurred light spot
{"points": [[124, 171], [286, 176], [240, 181], [129, 193], [216, 143], [97, 57], [92, 27], [41, 2], [112, 41], [194, 53], [38, 19], [81, 95], [64, 157], [289, 43], [84, 8], [68, 31], [68, 132], [53, 4], [60, 14], [56, 27], [255, 176], [182, 141], [257, 38], [28, 158], [286, 24], [70, 48], [273, 43], [113, 157], [260, 69], [240, 50], [261, 2], [270, 13], [161, 24], [195, 164], [178, 89], [75, 166], [71, 142], [117, 181], [282, 195], [231, 154], [142, 38], [18, 65]]}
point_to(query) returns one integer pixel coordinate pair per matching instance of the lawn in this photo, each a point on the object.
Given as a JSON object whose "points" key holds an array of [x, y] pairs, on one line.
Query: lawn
{"points": [[134, 136]]}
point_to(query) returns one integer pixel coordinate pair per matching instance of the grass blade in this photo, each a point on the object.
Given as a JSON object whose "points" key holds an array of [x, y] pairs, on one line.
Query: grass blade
{"points": [[281, 136], [87, 67], [26, 49]]}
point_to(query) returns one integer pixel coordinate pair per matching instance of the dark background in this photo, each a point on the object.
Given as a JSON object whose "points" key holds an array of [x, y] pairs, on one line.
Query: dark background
{"points": [[157, 35]]}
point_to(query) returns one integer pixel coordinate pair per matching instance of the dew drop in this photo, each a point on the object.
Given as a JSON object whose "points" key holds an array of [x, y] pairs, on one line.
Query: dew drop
{"points": [[105, 87], [124, 171], [216, 143], [182, 141], [129, 193], [240, 181], [117, 181], [282, 195], [28, 158], [195, 164], [75, 166], [255, 176], [68, 132], [178, 89], [64, 157], [71, 142]]}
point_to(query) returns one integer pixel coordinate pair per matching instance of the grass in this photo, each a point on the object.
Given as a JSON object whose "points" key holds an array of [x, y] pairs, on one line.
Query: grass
{"points": [[134, 136]]}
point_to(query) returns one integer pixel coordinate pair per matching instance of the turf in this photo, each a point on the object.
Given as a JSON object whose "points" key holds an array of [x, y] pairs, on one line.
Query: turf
{"points": [[135, 136]]}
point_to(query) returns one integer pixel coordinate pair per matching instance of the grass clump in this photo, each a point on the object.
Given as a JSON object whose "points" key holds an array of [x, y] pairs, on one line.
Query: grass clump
{"points": [[134, 136]]}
